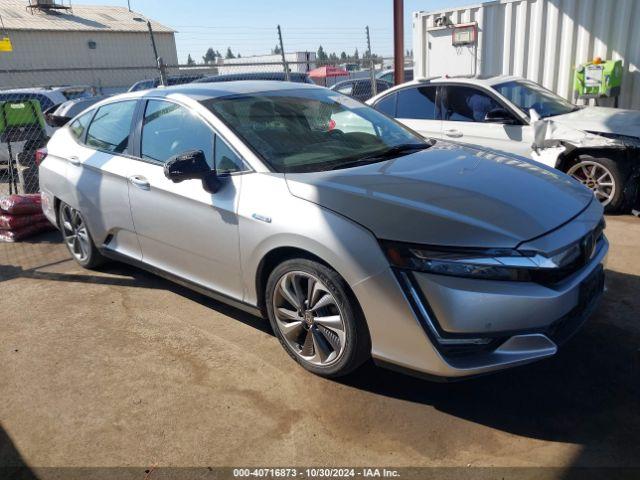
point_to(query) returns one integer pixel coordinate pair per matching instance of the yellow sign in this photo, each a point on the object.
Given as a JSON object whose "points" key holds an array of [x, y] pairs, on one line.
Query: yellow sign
{"points": [[5, 45]]}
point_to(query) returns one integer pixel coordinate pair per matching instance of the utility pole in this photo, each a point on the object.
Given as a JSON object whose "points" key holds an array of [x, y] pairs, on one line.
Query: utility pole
{"points": [[372, 68], [129, 4], [160, 63], [287, 77], [398, 41]]}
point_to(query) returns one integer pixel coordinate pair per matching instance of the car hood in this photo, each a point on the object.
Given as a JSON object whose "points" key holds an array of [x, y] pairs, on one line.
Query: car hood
{"points": [[604, 120], [448, 194]]}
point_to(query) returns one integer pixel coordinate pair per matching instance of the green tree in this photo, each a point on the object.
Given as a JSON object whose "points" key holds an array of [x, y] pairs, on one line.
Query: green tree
{"points": [[321, 56], [229, 53], [190, 61], [210, 56], [276, 50], [356, 56], [343, 57]]}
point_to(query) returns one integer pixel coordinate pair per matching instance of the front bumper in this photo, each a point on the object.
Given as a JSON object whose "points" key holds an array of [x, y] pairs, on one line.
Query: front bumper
{"points": [[409, 315]]}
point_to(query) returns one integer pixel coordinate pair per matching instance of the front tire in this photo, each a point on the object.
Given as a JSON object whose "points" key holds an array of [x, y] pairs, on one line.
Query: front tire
{"points": [[605, 178], [316, 318], [77, 238]]}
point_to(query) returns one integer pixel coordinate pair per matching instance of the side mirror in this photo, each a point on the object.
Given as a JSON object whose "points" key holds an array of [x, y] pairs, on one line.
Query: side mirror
{"points": [[499, 115], [189, 166]]}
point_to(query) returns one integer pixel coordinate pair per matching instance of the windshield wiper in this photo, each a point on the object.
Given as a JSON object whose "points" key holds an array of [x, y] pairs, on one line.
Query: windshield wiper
{"points": [[391, 152]]}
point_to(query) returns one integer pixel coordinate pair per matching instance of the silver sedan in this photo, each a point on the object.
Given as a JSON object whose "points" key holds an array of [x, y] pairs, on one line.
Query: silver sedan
{"points": [[353, 235]]}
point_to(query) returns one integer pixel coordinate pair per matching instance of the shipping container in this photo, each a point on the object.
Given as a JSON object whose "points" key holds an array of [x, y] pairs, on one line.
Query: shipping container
{"points": [[543, 40]]}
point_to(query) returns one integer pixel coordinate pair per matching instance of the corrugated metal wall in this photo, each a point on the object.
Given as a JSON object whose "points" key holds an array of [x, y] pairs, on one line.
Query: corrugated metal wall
{"points": [[544, 40]]}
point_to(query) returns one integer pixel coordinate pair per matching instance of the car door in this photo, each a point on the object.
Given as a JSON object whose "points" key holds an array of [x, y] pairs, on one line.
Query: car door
{"points": [[464, 112], [183, 229], [416, 108], [99, 164]]}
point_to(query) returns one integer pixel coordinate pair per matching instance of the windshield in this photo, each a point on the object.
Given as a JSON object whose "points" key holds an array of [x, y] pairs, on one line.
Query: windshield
{"points": [[312, 129], [526, 95]]}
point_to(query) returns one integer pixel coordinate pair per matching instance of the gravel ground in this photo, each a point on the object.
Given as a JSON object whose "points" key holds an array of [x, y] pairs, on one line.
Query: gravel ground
{"points": [[120, 368]]}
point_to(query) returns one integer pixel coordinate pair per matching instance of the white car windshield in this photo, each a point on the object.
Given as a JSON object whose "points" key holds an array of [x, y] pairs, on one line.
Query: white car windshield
{"points": [[313, 129], [526, 95]]}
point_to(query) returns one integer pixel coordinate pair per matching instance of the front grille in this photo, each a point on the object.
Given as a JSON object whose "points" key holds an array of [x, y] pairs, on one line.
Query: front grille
{"points": [[563, 329], [590, 244]]}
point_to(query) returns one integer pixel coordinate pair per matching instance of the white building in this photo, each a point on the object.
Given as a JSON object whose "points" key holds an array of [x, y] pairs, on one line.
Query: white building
{"points": [[542, 40], [92, 45], [297, 62]]}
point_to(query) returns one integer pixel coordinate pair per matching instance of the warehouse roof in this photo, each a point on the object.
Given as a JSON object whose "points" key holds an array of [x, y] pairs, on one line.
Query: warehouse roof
{"points": [[17, 16]]}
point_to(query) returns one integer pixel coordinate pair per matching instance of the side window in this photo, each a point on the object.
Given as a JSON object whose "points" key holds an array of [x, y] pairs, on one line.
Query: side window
{"points": [[226, 159], [387, 77], [169, 129], [345, 89], [362, 89], [466, 104], [79, 125], [382, 86], [110, 127], [45, 102], [387, 105], [417, 103]]}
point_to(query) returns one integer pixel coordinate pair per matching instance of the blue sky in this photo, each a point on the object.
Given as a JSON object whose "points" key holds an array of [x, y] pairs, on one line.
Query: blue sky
{"points": [[249, 26]]}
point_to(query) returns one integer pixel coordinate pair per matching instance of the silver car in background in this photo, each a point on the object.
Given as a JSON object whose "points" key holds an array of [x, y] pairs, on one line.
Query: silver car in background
{"points": [[356, 237]]}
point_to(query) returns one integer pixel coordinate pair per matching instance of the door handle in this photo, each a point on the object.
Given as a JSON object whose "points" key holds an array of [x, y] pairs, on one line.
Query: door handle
{"points": [[140, 182], [74, 160], [453, 133]]}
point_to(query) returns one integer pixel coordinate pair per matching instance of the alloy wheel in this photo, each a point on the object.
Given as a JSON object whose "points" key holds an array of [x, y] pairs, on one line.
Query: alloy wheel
{"points": [[75, 233], [309, 318], [597, 178]]}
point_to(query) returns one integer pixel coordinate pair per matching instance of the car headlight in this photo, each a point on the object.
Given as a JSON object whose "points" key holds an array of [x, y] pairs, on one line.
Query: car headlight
{"points": [[496, 263], [489, 264]]}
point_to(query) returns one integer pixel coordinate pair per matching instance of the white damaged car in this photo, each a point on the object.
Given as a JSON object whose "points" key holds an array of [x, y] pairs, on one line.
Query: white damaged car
{"points": [[598, 146]]}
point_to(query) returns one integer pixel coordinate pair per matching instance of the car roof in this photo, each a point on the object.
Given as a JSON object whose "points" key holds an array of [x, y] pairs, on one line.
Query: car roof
{"points": [[357, 80], [207, 91], [250, 76], [483, 80]]}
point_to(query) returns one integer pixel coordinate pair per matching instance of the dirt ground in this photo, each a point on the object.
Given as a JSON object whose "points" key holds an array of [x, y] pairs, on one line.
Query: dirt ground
{"points": [[121, 368]]}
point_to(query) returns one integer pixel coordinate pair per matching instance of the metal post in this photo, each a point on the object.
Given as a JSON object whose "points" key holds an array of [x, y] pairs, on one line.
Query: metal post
{"points": [[129, 4], [372, 68], [163, 79], [398, 41], [163, 72], [287, 77]]}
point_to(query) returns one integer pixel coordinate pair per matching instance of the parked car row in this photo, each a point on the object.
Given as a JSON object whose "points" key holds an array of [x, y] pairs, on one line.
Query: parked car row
{"points": [[597, 146], [355, 236]]}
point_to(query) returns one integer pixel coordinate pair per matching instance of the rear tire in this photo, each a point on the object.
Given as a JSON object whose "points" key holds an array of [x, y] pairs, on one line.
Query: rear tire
{"points": [[606, 178], [315, 317], [77, 238]]}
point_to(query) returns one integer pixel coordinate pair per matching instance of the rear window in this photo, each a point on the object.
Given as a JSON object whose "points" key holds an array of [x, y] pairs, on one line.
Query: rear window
{"points": [[417, 103], [79, 125], [110, 127]]}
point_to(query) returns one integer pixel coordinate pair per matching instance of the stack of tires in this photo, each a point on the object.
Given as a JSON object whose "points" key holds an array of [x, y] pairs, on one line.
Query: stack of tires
{"points": [[21, 217]]}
